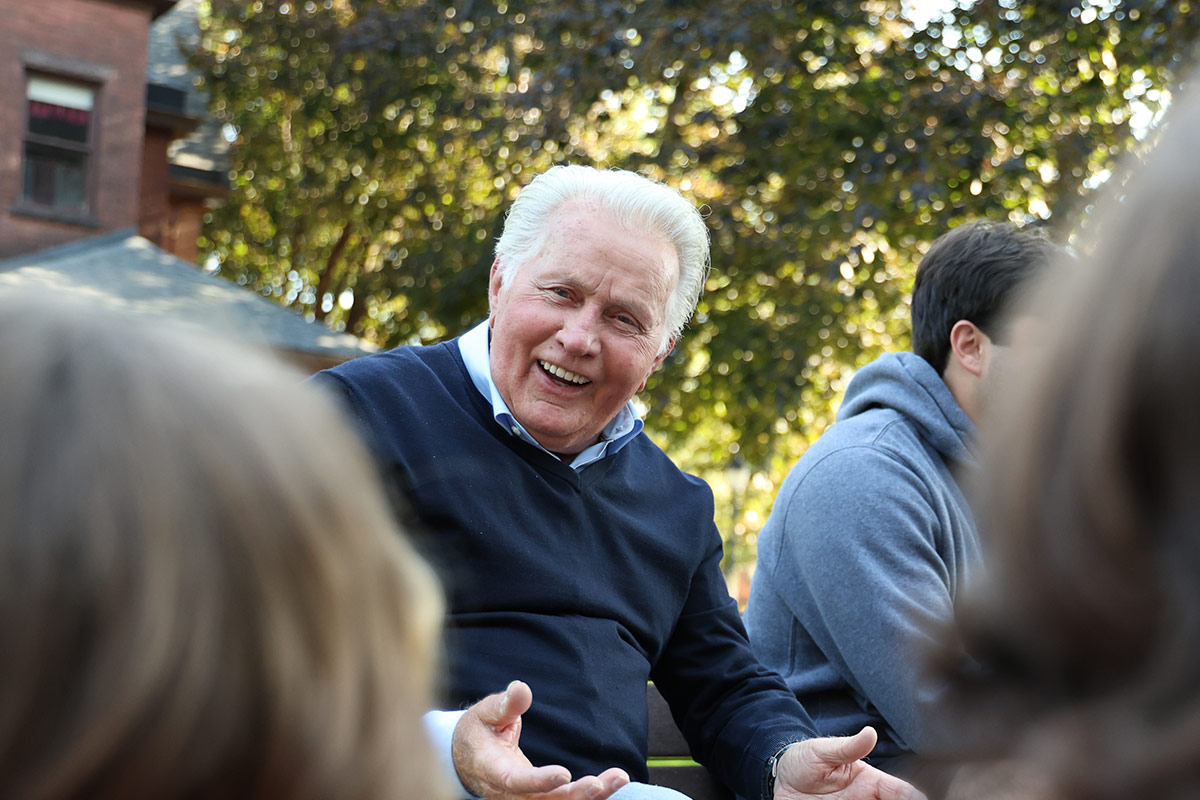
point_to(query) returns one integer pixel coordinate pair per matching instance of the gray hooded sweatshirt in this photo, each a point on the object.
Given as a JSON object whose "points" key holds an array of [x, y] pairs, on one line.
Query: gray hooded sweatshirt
{"points": [[868, 543]]}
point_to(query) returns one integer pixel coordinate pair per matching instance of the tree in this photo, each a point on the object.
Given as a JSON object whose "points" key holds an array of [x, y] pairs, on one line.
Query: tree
{"points": [[379, 142]]}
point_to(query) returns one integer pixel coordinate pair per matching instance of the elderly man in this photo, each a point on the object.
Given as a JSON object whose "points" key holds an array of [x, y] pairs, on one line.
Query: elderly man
{"points": [[871, 538], [577, 557]]}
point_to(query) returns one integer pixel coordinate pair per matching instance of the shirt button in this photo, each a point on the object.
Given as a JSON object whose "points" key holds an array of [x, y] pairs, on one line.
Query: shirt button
{"points": [[516, 431]]}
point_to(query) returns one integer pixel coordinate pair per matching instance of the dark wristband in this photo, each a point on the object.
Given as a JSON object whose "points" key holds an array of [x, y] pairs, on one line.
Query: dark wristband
{"points": [[770, 771]]}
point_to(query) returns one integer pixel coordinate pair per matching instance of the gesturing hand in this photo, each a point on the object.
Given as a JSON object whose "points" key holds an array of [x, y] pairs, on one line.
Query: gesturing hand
{"points": [[490, 763], [831, 768]]}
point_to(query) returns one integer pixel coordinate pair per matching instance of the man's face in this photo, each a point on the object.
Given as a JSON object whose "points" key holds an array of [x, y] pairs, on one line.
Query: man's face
{"points": [[576, 332]]}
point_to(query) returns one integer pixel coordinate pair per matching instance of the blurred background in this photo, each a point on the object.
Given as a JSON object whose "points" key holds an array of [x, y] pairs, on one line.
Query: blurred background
{"points": [[367, 149]]}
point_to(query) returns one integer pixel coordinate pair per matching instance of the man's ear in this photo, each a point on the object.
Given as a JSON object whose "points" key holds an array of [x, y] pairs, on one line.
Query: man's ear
{"points": [[966, 346], [658, 360], [495, 283]]}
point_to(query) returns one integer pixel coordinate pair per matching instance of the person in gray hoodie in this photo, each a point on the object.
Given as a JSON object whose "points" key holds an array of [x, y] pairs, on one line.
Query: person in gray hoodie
{"points": [[871, 538]]}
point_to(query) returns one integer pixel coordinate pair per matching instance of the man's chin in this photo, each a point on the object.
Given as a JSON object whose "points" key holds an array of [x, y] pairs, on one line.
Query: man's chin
{"points": [[565, 443]]}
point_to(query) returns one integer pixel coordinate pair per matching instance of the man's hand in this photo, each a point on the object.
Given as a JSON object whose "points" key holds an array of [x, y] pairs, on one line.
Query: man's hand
{"points": [[490, 763], [830, 768]]}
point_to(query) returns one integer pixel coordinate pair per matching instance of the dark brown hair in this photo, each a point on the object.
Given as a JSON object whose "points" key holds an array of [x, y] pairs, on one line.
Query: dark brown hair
{"points": [[203, 593], [1088, 626], [975, 272]]}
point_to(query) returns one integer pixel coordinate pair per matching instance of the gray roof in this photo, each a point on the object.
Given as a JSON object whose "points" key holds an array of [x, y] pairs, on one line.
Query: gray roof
{"points": [[128, 274], [171, 36]]}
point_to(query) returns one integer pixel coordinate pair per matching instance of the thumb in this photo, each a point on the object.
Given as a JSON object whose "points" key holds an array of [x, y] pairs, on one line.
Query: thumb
{"points": [[845, 749], [505, 708]]}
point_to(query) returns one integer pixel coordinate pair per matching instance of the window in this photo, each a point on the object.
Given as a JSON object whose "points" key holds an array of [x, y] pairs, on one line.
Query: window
{"points": [[58, 143]]}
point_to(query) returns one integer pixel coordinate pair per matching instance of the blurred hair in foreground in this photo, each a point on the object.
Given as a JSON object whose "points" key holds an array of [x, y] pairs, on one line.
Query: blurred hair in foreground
{"points": [[203, 593], [1088, 627]]}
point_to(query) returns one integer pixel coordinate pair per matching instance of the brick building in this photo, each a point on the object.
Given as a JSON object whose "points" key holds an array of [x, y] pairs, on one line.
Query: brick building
{"points": [[72, 118], [186, 162], [108, 163], [90, 124]]}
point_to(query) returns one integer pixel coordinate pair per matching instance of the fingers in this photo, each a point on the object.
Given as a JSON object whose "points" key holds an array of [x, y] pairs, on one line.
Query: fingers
{"points": [[833, 765], [610, 780], [536, 780], [599, 787], [505, 708], [490, 763], [816, 766], [486, 752]]}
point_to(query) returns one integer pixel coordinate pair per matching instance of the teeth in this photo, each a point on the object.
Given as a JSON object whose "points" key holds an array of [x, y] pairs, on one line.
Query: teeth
{"points": [[562, 374]]}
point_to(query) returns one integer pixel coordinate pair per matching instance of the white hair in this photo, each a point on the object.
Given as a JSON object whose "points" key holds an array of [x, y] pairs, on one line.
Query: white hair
{"points": [[636, 203]]}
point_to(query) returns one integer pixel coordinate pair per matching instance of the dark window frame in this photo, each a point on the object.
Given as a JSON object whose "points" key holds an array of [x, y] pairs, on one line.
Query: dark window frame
{"points": [[87, 148], [96, 77]]}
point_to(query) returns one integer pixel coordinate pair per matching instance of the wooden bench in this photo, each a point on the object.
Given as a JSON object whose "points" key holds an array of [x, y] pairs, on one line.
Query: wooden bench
{"points": [[670, 760]]}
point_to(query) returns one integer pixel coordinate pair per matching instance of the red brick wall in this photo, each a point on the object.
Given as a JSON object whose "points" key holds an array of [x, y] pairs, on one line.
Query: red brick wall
{"points": [[170, 217], [91, 37], [155, 218]]}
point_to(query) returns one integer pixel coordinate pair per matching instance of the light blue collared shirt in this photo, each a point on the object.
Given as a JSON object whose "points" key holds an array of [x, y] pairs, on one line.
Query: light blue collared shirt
{"points": [[476, 355]]}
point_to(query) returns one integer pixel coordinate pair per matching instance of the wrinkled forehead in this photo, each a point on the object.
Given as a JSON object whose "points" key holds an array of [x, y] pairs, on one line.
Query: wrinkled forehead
{"points": [[600, 235], [582, 214], [586, 213]]}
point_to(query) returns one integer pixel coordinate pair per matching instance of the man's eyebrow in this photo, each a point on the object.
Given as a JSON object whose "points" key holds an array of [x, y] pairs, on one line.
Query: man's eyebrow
{"points": [[563, 275], [643, 311]]}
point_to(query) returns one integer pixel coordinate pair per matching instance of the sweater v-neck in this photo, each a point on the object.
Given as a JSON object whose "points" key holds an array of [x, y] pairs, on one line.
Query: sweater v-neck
{"points": [[543, 461]]}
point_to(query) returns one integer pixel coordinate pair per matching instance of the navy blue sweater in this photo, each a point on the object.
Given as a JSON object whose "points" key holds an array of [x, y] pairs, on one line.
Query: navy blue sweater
{"points": [[584, 584]]}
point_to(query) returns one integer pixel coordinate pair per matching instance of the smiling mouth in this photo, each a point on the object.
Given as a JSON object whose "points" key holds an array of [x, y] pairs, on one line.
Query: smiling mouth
{"points": [[562, 375]]}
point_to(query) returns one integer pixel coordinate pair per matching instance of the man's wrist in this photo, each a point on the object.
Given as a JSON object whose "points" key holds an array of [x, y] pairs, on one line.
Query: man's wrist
{"points": [[771, 771]]}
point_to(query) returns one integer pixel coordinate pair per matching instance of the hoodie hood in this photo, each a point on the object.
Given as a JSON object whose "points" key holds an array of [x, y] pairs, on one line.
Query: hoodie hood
{"points": [[908, 385]]}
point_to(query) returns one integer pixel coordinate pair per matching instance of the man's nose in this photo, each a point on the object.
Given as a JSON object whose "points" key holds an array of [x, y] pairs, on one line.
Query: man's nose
{"points": [[579, 333]]}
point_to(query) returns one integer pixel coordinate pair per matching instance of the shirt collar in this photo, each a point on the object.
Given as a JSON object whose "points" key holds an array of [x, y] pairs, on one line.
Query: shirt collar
{"points": [[476, 356]]}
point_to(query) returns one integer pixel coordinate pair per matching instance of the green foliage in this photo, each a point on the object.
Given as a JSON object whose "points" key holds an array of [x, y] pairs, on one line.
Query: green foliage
{"points": [[379, 142]]}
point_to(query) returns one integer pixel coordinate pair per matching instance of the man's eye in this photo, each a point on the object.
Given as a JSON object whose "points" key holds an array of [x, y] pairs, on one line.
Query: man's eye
{"points": [[561, 292]]}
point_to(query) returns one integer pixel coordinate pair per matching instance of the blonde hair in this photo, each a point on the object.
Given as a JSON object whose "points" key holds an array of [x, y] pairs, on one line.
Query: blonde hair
{"points": [[204, 593]]}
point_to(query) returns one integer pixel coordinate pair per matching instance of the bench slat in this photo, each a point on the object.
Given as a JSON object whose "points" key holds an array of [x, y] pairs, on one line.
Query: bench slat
{"points": [[694, 781], [666, 741]]}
